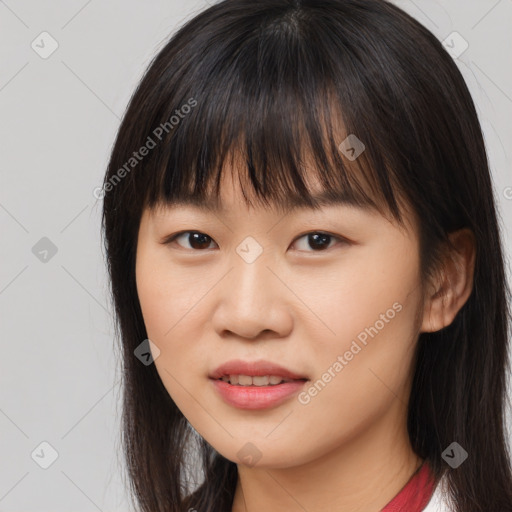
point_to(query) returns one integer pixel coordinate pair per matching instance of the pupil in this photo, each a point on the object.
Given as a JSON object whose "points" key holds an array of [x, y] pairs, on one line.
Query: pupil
{"points": [[199, 240], [319, 238]]}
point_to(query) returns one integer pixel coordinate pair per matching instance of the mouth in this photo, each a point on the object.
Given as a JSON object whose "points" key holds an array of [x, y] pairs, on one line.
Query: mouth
{"points": [[255, 385]]}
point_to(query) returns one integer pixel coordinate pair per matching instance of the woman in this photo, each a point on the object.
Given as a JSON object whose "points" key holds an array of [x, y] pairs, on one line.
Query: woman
{"points": [[307, 269]]}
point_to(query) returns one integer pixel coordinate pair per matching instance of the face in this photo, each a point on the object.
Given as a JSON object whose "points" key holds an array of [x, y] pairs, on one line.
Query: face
{"points": [[331, 295]]}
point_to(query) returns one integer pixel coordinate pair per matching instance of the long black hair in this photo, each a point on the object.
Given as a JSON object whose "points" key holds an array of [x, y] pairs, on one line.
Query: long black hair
{"points": [[272, 81]]}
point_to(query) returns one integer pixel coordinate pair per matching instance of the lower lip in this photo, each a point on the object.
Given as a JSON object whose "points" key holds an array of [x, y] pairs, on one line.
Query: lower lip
{"points": [[257, 397]]}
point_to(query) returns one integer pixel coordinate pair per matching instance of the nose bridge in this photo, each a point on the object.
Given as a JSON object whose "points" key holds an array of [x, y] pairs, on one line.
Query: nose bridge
{"points": [[250, 277], [250, 300]]}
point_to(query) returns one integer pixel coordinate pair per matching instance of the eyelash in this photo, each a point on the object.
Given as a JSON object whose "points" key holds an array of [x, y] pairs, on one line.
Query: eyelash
{"points": [[172, 238]]}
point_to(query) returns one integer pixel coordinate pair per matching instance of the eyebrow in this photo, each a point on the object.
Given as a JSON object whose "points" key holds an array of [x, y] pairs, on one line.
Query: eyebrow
{"points": [[293, 202]]}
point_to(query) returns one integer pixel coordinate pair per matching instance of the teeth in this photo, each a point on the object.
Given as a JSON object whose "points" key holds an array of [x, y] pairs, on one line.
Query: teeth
{"points": [[260, 380], [243, 380]]}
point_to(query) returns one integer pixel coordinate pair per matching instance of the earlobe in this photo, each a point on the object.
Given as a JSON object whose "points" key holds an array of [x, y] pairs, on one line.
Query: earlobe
{"points": [[454, 284]]}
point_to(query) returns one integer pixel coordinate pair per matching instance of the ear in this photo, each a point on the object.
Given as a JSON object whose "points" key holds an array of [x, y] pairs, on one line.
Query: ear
{"points": [[453, 286]]}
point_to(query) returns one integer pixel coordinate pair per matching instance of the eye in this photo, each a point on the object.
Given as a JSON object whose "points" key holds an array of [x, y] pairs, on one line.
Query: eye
{"points": [[318, 241], [195, 239]]}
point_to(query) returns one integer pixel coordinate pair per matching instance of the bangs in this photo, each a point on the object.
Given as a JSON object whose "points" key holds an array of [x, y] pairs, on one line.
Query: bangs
{"points": [[280, 111], [276, 154]]}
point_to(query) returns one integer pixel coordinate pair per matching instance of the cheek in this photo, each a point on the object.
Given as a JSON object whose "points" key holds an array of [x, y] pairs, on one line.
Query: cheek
{"points": [[171, 301], [371, 315], [168, 298], [372, 290], [167, 305]]}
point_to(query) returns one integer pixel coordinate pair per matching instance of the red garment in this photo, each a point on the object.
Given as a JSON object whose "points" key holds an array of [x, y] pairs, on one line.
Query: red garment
{"points": [[415, 494]]}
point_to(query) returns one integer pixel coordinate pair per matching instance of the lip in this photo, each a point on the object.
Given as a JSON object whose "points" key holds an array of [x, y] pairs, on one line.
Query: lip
{"points": [[254, 369], [256, 397]]}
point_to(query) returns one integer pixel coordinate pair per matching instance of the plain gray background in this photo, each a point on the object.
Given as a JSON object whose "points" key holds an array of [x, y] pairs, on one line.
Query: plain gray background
{"points": [[59, 376]]}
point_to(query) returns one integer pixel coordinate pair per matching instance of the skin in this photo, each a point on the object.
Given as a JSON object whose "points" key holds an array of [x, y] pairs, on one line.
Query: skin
{"points": [[301, 307]]}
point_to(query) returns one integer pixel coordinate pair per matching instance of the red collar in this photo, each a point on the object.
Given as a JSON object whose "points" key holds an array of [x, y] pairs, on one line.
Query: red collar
{"points": [[415, 494]]}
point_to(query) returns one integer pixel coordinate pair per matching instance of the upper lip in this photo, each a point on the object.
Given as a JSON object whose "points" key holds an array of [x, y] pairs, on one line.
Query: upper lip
{"points": [[254, 368]]}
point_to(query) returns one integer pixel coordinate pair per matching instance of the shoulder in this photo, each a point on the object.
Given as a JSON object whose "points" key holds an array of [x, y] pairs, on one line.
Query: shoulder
{"points": [[440, 502]]}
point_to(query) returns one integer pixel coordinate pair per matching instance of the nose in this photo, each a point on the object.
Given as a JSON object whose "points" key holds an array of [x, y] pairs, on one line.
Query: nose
{"points": [[252, 303]]}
